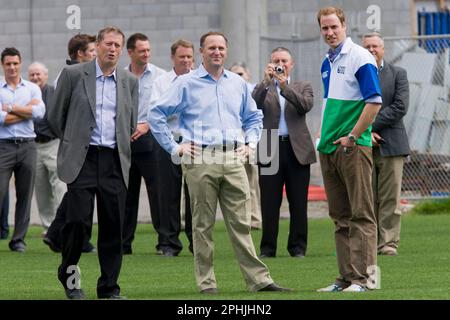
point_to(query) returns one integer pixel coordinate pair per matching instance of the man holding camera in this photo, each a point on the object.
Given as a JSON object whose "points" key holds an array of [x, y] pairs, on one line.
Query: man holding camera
{"points": [[284, 104]]}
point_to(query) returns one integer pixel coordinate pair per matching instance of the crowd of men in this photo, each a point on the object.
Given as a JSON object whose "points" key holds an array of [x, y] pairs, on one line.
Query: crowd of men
{"points": [[197, 134]]}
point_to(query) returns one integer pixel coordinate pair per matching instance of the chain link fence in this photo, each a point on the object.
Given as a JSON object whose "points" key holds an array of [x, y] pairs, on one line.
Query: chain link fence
{"points": [[427, 61]]}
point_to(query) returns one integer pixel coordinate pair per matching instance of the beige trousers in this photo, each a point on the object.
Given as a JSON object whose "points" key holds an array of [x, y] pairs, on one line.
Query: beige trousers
{"points": [[387, 185], [255, 195], [209, 182]]}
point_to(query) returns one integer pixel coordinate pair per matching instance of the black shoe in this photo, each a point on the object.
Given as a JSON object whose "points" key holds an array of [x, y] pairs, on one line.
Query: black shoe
{"points": [[210, 291], [113, 296], [127, 250], [17, 245], [266, 255], [75, 294], [51, 244], [89, 248], [274, 287], [4, 234]]}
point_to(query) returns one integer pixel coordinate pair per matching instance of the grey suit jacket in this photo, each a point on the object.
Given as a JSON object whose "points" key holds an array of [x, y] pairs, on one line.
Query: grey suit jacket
{"points": [[388, 123], [299, 100], [72, 117]]}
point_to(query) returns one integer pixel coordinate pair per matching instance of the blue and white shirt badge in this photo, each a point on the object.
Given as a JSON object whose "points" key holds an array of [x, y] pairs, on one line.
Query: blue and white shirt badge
{"points": [[341, 69]]}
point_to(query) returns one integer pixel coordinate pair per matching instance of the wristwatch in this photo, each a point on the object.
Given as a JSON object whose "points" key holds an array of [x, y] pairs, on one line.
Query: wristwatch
{"points": [[352, 138], [10, 107], [252, 145]]}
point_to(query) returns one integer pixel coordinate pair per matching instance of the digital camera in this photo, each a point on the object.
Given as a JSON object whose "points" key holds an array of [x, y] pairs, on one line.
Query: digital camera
{"points": [[279, 69]]}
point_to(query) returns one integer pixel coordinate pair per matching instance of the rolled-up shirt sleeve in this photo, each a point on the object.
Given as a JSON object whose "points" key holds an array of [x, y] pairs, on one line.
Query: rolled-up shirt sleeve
{"points": [[38, 110]]}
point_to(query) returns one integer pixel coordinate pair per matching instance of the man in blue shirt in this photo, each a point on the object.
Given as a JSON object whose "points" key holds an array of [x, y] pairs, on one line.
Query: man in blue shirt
{"points": [[21, 103], [220, 124]]}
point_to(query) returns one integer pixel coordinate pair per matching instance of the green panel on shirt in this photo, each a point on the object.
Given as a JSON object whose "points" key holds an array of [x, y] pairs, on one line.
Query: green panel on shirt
{"points": [[339, 118]]}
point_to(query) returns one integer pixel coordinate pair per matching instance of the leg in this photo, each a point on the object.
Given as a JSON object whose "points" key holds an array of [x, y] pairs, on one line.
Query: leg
{"points": [[111, 201], [271, 199], [4, 211], [356, 169], [42, 188], [234, 201], [340, 213], [203, 187], [255, 195], [297, 183], [24, 173], [387, 188], [132, 205]]}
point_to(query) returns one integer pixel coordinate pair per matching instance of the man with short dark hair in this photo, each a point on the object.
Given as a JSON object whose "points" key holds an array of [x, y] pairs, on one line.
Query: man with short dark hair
{"points": [[81, 48], [21, 103], [95, 116], [146, 157], [217, 118], [352, 99]]}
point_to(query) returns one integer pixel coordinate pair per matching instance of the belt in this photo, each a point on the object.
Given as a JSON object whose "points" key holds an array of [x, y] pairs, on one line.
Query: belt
{"points": [[284, 138], [101, 148], [43, 139], [224, 147], [17, 140]]}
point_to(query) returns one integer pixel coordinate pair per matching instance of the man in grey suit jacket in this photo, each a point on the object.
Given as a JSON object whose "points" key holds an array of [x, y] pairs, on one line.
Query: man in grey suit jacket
{"points": [[285, 103], [95, 114], [390, 146]]}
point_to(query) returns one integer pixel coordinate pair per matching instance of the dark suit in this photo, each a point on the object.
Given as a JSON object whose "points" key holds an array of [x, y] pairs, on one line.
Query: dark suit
{"points": [[296, 153], [388, 123], [389, 156], [92, 170]]}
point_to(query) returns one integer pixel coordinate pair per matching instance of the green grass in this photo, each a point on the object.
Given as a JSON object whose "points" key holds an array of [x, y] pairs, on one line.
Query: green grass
{"points": [[420, 271], [437, 206]]}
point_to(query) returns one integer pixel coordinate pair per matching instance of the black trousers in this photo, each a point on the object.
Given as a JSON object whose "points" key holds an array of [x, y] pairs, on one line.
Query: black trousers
{"points": [[100, 177], [296, 178], [163, 182], [54, 231]]}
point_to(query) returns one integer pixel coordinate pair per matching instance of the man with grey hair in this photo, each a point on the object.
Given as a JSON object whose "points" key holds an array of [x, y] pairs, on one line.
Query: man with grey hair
{"points": [[390, 146], [48, 187]]}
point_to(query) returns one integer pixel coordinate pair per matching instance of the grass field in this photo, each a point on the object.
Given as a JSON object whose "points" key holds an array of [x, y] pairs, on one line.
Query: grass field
{"points": [[420, 271]]}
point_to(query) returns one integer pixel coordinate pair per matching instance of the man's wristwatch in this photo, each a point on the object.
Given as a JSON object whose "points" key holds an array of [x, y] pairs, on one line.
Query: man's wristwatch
{"points": [[252, 145], [352, 138], [10, 107]]}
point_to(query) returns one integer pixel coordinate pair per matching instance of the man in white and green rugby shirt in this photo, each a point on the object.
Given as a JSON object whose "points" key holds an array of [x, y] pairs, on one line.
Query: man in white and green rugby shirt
{"points": [[352, 98]]}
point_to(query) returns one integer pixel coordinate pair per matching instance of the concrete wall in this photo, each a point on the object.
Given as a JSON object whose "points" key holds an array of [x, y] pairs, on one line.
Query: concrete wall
{"points": [[254, 27]]}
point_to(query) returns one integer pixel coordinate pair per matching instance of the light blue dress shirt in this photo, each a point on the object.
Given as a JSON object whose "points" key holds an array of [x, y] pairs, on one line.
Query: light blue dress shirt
{"points": [[282, 125], [21, 96], [104, 133], [210, 112], [146, 88]]}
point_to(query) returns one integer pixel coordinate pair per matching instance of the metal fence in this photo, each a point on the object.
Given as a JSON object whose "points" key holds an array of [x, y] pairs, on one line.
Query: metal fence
{"points": [[427, 61]]}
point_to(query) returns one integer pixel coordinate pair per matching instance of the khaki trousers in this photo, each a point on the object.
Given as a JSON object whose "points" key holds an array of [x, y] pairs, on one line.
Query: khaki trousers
{"points": [[348, 183], [387, 185], [210, 181], [48, 188], [255, 195]]}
